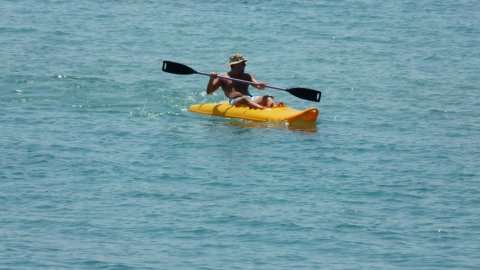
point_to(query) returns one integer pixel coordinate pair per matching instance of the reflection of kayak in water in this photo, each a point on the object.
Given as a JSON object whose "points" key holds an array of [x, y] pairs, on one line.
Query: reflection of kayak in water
{"points": [[279, 113]]}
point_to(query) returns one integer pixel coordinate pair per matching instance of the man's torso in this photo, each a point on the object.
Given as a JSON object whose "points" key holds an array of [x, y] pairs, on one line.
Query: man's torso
{"points": [[235, 89]]}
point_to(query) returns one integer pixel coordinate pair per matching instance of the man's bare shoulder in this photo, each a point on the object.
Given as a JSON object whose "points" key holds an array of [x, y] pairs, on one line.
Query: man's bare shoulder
{"points": [[247, 76]]}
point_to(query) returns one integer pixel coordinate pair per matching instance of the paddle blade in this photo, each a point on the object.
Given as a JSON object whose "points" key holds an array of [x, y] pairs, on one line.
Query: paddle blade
{"points": [[177, 68], [305, 93]]}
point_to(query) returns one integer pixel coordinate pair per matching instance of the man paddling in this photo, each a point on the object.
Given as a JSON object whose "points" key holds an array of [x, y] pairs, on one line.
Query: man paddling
{"points": [[237, 93]]}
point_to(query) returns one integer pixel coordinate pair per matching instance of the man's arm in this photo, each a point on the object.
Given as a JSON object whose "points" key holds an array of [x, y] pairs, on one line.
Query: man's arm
{"points": [[257, 84], [213, 83]]}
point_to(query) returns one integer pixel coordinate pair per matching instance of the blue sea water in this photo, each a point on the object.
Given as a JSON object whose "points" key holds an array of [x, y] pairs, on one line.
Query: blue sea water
{"points": [[103, 167]]}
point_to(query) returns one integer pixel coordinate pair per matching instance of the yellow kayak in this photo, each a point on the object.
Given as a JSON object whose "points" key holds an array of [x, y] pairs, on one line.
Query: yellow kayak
{"points": [[279, 113]]}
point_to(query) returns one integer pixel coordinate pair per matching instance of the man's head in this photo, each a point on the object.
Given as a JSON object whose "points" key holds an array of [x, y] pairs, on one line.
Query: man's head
{"points": [[235, 59]]}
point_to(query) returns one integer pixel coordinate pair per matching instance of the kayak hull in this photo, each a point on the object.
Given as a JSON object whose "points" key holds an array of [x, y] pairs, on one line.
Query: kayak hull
{"points": [[280, 113]]}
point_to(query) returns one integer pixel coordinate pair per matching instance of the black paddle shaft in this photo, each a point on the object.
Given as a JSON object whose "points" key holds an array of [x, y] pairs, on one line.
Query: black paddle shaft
{"points": [[181, 69]]}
